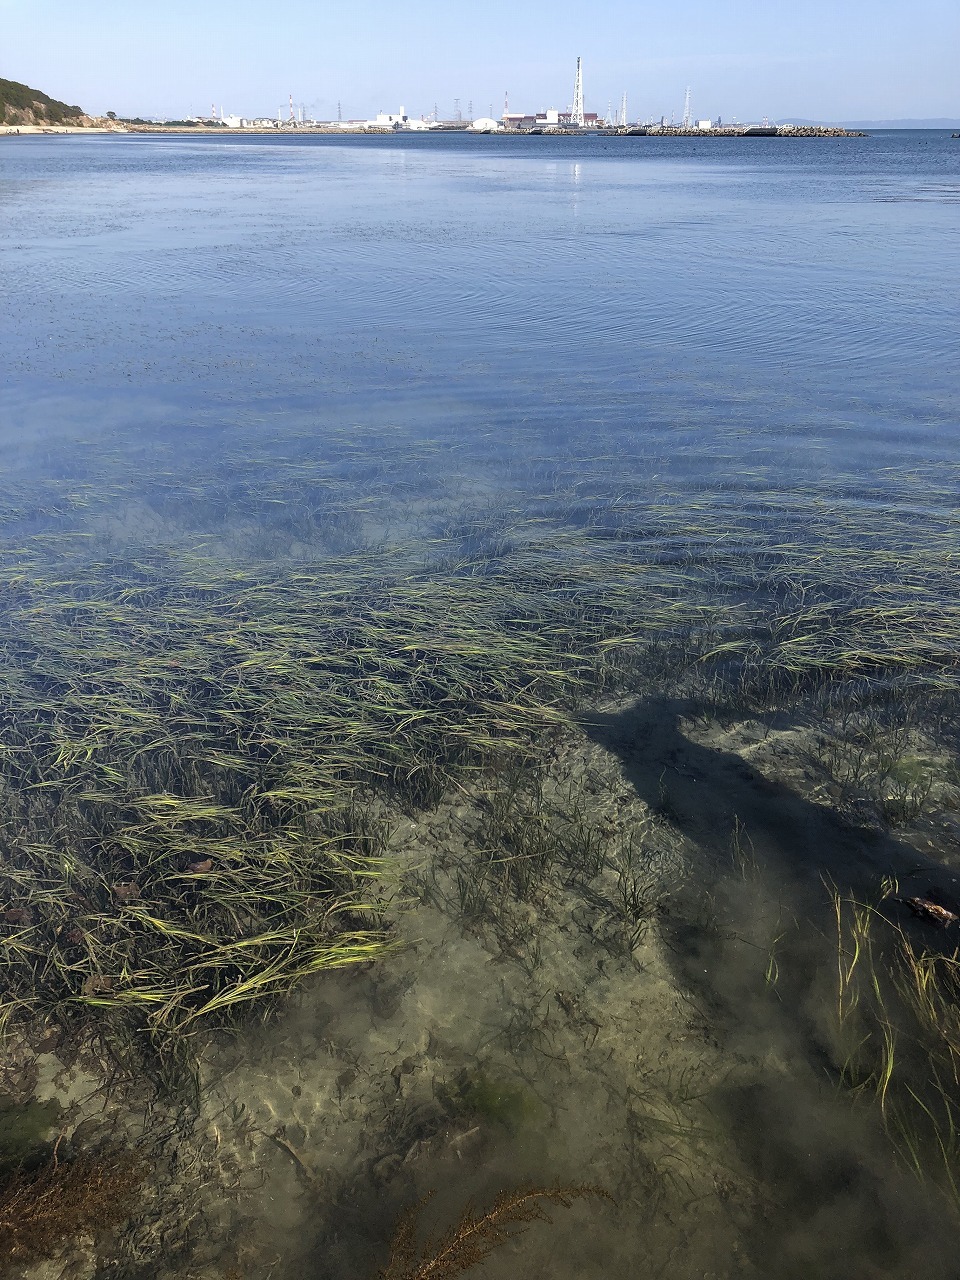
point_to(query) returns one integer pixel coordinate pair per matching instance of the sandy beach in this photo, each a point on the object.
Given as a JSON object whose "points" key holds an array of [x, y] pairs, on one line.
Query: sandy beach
{"points": [[12, 130]]}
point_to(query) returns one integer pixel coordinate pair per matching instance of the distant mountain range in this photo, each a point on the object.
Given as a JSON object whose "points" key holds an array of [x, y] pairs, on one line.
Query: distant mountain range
{"points": [[19, 104], [937, 122]]}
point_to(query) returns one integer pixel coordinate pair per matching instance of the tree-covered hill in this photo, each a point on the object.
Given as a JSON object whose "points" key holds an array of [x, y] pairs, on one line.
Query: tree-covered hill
{"points": [[19, 104]]}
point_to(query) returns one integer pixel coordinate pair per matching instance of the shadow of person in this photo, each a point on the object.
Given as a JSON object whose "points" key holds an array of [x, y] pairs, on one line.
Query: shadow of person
{"points": [[706, 792], [825, 1167]]}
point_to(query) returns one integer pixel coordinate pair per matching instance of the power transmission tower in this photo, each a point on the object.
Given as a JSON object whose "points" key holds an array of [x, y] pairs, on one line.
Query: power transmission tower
{"points": [[339, 112], [623, 111], [576, 115], [470, 109], [686, 109]]}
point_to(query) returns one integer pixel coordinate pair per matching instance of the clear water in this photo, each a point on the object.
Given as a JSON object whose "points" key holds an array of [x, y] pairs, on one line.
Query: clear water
{"points": [[792, 303], [757, 324]]}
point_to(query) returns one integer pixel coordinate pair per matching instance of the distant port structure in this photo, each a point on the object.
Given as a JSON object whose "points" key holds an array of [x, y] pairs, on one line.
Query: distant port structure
{"points": [[572, 120], [576, 120]]}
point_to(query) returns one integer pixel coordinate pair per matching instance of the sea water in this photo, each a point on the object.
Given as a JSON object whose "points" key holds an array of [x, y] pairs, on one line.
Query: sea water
{"points": [[462, 325]]}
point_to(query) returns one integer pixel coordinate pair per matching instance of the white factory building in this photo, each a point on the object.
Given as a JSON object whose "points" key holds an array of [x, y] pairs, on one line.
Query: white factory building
{"points": [[400, 121], [552, 118]]}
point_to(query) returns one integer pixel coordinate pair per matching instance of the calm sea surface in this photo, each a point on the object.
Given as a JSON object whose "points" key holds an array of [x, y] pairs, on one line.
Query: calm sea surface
{"points": [[786, 304]]}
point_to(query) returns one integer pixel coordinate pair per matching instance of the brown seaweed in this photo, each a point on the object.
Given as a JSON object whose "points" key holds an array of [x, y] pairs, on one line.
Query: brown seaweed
{"points": [[475, 1235], [42, 1211]]}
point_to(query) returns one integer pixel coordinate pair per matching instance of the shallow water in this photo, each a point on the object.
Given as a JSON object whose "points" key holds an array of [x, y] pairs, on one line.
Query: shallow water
{"points": [[694, 349]]}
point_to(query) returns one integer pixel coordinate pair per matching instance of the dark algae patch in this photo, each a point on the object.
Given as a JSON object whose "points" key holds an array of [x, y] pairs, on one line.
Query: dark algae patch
{"points": [[495, 1101], [25, 1132]]}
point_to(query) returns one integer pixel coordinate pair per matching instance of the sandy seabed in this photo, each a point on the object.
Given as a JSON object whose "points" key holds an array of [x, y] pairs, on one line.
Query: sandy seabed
{"points": [[644, 1015]]}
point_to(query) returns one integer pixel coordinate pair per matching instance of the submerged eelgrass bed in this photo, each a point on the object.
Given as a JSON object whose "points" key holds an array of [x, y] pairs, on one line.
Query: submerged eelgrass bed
{"points": [[898, 1023], [186, 759], [196, 751], [196, 758]]}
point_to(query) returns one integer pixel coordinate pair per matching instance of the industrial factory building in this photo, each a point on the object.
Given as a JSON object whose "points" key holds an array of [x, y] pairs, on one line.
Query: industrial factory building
{"points": [[550, 119], [400, 121]]}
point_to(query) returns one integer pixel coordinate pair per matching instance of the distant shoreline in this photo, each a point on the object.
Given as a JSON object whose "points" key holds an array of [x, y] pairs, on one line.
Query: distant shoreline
{"points": [[651, 131]]}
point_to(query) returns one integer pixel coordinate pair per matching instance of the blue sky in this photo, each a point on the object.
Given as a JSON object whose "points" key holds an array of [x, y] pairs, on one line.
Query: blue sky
{"points": [[820, 59]]}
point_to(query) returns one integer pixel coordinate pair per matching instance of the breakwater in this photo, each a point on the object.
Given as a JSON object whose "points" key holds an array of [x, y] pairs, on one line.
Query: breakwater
{"points": [[740, 131]]}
